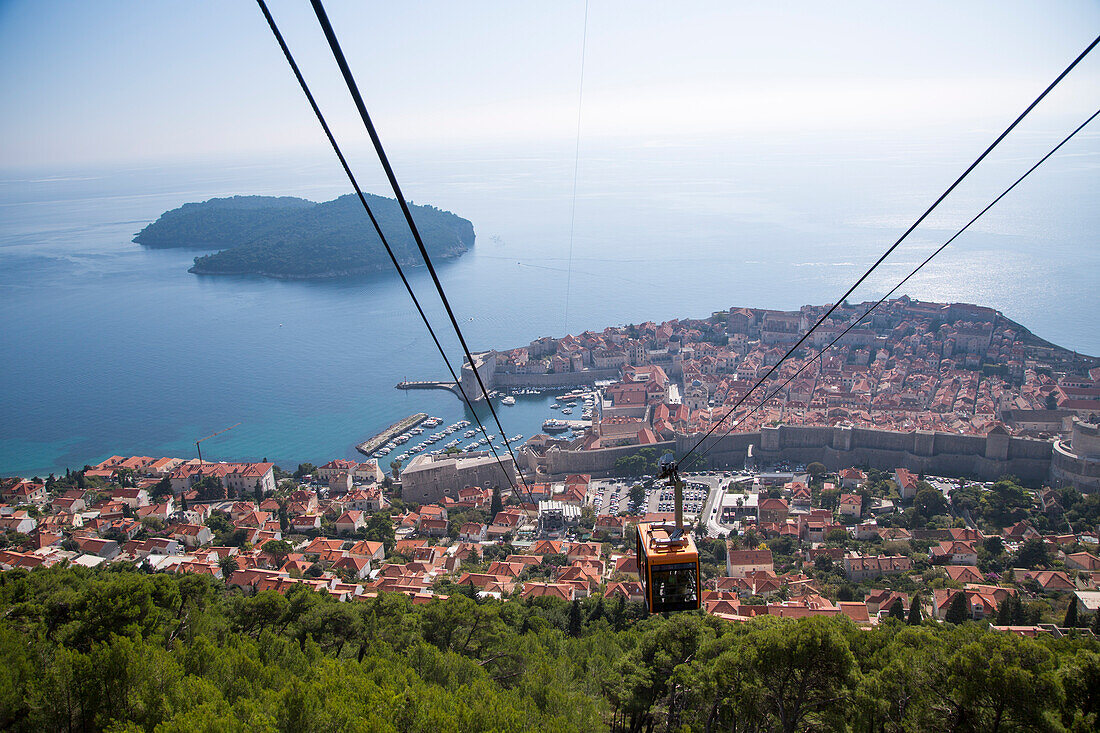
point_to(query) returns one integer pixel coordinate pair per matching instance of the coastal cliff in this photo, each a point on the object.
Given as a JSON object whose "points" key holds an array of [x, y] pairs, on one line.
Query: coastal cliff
{"points": [[292, 238]]}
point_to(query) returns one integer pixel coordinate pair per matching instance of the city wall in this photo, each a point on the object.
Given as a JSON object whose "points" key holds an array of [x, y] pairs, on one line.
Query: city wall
{"points": [[986, 457], [563, 379], [494, 379], [945, 454], [599, 463]]}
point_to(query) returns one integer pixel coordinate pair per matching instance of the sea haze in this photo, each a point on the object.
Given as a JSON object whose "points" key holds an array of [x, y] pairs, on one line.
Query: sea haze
{"points": [[113, 348]]}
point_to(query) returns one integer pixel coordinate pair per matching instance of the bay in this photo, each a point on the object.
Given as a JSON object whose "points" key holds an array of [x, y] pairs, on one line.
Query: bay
{"points": [[111, 348]]}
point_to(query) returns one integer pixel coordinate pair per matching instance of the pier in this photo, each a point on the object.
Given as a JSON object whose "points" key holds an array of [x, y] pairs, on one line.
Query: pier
{"points": [[368, 447], [449, 386]]}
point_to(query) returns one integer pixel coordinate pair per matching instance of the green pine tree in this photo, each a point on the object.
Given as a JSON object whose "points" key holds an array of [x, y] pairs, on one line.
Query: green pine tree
{"points": [[1096, 623], [1017, 611], [1070, 621], [598, 611], [957, 612], [1004, 612], [575, 619], [497, 505], [618, 617], [914, 612], [897, 611]]}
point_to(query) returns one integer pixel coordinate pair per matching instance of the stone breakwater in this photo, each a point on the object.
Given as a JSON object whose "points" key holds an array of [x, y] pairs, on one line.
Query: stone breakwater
{"points": [[367, 447]]}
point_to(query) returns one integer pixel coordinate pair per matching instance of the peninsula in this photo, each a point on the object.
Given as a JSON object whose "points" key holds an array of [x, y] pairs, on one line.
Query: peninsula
{"points": [[293, 238], [958, 388]]}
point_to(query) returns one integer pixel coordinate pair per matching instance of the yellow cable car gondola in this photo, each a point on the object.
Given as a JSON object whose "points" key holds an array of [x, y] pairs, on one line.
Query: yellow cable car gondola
{"points": [[668, 561]]}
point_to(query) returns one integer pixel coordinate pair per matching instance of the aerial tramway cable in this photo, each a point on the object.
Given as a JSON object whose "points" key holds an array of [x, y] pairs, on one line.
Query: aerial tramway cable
{"points": [[353, 88], [904, 280], [377, 228], [895, 245]]}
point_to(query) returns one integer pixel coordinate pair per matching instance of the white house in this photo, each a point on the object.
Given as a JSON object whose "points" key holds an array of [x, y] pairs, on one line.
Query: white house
{"points": [[350, 521], [473, 532]]}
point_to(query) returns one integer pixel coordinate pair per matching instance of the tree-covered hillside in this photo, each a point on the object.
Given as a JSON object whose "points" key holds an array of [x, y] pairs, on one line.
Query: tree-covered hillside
{"points": [[221, 223], [123, 650], [294, 238]]}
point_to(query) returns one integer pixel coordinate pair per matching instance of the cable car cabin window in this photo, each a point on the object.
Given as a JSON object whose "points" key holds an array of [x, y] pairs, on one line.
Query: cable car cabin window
{"points": [[673, 587]]}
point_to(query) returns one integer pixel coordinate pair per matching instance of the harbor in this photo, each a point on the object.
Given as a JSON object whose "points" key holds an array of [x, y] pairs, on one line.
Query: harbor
{"points": [[427, 441], [422, 434]]}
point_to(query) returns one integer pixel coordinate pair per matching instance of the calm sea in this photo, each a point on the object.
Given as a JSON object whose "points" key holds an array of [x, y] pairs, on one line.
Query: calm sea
{"points": [[110, 348]]}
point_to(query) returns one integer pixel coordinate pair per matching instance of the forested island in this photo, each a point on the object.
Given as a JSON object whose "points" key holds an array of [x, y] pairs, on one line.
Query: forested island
{"points": [[287, 237]]}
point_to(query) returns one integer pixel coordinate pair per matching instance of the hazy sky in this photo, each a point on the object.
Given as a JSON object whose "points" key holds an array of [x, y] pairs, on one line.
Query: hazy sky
{"points": [[84, 82]]}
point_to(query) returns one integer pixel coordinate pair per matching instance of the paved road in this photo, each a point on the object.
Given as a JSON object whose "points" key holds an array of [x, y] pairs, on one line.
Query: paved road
{"points": [[713, 509], [715, 528]]}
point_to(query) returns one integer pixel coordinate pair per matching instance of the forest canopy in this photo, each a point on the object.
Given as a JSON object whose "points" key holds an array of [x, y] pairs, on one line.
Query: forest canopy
{"points": [[122, 649]]}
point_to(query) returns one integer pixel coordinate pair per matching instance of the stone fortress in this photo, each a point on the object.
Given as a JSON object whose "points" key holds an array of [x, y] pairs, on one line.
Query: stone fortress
{"points": [[430, 478], [1077, 462]]}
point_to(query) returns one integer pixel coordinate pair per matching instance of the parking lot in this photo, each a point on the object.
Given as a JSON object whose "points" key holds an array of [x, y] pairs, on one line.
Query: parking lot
{"points": [[695, 495], [609, 496], [612, 496]]}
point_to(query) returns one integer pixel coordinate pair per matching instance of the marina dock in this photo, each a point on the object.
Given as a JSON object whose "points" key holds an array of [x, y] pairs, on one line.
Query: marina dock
{"points": [[368, 447]]}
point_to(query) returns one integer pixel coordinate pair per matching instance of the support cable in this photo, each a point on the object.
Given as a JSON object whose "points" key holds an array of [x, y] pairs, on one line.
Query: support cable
{"points": [[900, 239], [377, 228], [353, 88], [904, 280]]}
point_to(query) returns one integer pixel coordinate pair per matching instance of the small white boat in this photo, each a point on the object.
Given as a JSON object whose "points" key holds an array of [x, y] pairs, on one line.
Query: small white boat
{"points": [[567, 411], [508, 400]]}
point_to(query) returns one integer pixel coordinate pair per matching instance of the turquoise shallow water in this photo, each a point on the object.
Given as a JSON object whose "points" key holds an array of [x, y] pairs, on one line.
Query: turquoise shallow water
{"points": [[110, 348]]}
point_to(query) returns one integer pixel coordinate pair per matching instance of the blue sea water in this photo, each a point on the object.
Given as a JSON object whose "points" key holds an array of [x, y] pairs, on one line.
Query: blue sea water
{"points": [[112, 348]]}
